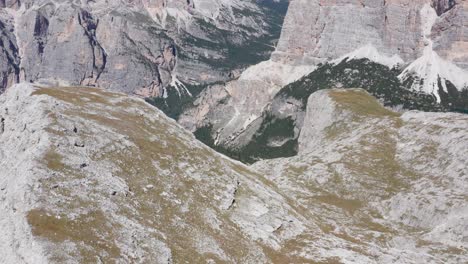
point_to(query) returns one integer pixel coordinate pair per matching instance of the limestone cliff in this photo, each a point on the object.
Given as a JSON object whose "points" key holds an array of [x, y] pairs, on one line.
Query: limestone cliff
{"points": [[150, 48]]}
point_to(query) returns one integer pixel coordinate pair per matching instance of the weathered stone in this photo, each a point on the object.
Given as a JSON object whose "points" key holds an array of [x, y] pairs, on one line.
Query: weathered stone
{"points": [[142, 47], [367, 183], [9, 54]]}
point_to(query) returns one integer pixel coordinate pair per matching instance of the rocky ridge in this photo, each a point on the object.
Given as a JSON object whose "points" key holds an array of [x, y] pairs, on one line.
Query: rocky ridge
{"points": [[95, 176], [360, 165], [103, 177]]}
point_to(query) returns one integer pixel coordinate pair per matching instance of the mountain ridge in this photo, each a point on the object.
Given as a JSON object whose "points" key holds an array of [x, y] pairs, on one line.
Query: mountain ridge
{"points": [[405, 37], [93, 176]]}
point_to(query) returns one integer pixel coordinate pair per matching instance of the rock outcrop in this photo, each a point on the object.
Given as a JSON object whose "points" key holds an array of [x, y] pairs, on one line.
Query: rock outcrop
{"points": [[9, 57], [93, 176], [361, 165]]}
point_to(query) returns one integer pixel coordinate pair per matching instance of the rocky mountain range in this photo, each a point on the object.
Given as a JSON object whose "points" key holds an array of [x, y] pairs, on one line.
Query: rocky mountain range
{"points": [[100, 177], [149, 48], [409, 48], [288, 131]]}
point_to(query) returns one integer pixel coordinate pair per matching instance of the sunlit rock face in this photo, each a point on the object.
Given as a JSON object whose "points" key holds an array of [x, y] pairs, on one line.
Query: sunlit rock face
{"points": [[450, 34], [317, 31], [144, 47]]}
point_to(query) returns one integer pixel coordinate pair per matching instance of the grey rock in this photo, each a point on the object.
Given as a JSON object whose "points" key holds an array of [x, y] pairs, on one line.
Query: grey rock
{"points": [[177, 185], [9, 57], [141, 47], [428, 37], [362, 159], [368, 186], [393, 27], [450, 34], [2, 125], [10, 4]]}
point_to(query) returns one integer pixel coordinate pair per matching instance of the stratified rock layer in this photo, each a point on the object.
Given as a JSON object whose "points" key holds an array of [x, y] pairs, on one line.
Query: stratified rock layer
{"points": [[143, 47], [392, 27]]}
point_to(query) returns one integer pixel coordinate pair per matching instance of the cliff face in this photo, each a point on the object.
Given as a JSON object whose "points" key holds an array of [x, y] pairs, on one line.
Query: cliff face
{"points": [[430, 33], [335, 28], [318, 31], [9, 57], [141, 47], [90, 176], [421, 44]]}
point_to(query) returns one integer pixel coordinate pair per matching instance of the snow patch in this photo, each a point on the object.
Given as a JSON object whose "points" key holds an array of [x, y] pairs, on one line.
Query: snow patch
{"points": [[371, 53], [431, 67], [178, 85], [275, 72]]}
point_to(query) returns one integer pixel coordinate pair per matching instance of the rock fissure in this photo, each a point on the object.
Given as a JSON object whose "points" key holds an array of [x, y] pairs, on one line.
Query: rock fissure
{"points": [[99, 56]]}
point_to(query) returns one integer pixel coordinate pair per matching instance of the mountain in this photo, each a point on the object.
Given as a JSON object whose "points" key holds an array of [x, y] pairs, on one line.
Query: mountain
{"points": [[378, 178], [409, 54], [300, 131], [150, 48], [96, 176], [93, 176]]}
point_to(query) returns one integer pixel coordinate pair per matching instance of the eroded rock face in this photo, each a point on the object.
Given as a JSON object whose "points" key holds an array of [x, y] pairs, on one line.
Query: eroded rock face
{"points": [[442, 6], [450, 34], [10, 3], [141, 47], [393, 27], [9, 57]]}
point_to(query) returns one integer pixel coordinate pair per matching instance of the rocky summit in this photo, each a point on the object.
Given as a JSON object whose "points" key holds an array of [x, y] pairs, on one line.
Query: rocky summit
{"points": [[234, 131]]}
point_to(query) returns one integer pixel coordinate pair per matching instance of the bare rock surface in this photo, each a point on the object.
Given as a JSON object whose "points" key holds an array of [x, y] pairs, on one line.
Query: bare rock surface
{"points": [[93, 176], [142, 47], [383, 180], [138, 188]]}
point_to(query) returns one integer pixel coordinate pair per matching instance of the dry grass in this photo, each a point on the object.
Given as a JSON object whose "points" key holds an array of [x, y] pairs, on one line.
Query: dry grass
{"points": [[361, 103], [135, 166], [91, 229]]}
